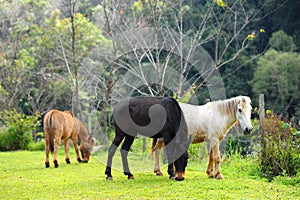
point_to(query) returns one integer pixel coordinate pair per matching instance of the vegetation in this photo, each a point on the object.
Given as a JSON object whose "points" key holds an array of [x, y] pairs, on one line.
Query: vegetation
{"points": [[277, 75], [24, 176], [85, 55], [17, 134], [280, 147]]}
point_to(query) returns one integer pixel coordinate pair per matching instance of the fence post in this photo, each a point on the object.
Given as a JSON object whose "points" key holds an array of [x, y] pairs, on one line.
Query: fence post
{"points": [[261, 129], [261, 110]]}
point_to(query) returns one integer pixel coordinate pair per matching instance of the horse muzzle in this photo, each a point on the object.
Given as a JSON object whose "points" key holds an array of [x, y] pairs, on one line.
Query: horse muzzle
{"points": [[248, 131]]}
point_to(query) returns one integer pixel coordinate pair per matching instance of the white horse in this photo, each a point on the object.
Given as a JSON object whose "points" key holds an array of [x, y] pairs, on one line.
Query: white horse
{"points": [[210, 123]]}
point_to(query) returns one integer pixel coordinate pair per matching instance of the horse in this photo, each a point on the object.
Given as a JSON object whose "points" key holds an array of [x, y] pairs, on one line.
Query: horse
{"points": [[210, 123], [154, 117], [59, 126]]}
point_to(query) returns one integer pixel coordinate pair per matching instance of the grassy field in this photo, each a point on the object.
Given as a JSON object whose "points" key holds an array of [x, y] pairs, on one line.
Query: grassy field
{"points": [[24, 176]]}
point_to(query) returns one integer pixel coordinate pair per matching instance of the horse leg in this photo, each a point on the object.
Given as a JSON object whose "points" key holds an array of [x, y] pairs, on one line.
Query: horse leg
{"points": [[159, 145], [210, 165], [56, 146], [111, 152], [213, 167], [124, 153], [171, 171], [75, 145], [169, 151], [66, 146], [217, 160]]}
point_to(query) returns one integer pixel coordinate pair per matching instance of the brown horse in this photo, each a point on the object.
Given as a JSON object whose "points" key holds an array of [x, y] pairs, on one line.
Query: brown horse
{"points": [[59, 126]]}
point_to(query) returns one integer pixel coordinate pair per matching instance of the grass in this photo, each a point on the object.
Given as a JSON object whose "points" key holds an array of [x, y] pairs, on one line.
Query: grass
{"points": [[24, 176]]}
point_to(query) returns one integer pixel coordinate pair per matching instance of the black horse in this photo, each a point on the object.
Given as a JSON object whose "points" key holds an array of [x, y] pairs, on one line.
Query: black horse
{"points": [[155, 117]]}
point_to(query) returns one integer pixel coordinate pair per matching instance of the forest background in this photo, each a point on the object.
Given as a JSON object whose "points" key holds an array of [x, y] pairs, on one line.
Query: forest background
{"points": [[86, 55]]}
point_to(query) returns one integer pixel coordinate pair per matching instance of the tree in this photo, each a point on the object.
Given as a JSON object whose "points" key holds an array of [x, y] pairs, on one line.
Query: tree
{"points": [[280, 41], [17, 55], [277, 76]]}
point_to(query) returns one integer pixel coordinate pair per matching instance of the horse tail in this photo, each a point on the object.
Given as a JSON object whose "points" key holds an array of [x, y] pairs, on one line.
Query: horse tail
{"points": [[51, 136], [48, 131]]}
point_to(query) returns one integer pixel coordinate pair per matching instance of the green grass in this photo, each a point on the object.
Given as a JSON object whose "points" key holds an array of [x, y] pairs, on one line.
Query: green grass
{"points": [[24, 176]]}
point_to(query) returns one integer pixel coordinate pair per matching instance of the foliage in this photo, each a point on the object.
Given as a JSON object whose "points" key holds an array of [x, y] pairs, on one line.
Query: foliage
{"points": [[37, 146], [11, 139], [280, 147], [19, 127], [277, 76], [280, 41]]}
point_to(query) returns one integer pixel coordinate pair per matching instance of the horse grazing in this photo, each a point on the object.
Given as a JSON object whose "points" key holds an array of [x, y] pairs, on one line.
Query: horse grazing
{"points": [[210, 123], [59, 126], [155, 117]]}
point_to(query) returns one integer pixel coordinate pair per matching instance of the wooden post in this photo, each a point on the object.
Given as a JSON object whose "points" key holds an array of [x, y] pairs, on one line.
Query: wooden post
{"points": [[261, 122], [261, 110]]}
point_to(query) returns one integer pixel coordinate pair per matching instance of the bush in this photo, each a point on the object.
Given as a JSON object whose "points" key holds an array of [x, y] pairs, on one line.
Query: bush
{"points": [[37, 146], [280, 147], [14, 140], [17, 135]]}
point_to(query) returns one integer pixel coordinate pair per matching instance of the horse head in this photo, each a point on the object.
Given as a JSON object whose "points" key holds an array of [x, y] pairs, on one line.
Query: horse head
{"points": [[86, 149], [243, 114]]}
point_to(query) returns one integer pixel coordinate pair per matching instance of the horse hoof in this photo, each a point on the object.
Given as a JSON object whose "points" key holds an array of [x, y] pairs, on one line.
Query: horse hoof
{"points": [[109, 178], [55, 164], [219, 176], [131, 178], [172, 177], [84, 161], [79, 160], [158, 173], [68, 161], [179, 179], [47, 165]]}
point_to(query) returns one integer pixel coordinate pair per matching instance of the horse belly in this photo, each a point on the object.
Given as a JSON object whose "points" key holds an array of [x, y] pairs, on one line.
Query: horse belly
{"points": [[199, 137]]}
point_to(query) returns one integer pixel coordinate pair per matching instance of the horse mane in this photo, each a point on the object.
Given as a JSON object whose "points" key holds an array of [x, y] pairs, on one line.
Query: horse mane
{"points": [[83, 133], [86, 139], [229, 106]]}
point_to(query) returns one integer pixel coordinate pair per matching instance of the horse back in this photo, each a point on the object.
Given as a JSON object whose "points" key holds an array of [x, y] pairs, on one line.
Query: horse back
{"points": [[60, 124], [137, 109]]}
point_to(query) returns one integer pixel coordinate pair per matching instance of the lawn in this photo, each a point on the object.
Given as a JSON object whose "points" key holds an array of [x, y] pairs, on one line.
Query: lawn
{"points": [[24, 176]]}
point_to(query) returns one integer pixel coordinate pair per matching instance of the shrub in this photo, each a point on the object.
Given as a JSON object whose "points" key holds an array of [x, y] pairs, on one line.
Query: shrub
{"points": [[280, 147], [14, 140], [37, 146], [17, 135]]}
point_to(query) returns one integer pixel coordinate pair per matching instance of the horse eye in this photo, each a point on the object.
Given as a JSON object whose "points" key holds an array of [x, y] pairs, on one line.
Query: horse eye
{"points": [[240, 110]]}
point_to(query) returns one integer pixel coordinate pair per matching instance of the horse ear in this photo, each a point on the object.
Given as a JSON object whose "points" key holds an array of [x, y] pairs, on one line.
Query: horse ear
{"points": [[243, 100], [94, 141]]}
